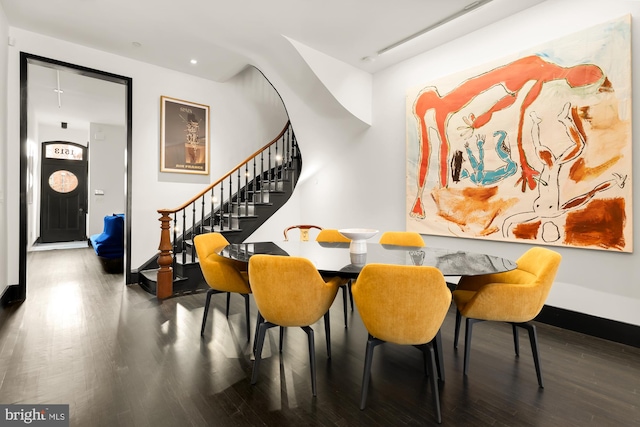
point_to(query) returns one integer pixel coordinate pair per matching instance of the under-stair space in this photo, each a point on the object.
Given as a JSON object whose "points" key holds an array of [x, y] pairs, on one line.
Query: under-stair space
{"points": [[234, 205]]}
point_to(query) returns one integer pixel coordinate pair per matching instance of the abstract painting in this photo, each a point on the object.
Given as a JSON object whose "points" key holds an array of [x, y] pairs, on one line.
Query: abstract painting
{"points": [[532, 148]]}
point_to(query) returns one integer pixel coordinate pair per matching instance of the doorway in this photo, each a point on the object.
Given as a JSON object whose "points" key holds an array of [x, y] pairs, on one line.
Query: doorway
{"points": [[18, 292], [63, 194]]}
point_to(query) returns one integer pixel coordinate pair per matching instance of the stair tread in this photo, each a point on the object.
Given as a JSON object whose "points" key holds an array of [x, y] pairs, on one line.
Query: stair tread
{"points": [[152, 275]]}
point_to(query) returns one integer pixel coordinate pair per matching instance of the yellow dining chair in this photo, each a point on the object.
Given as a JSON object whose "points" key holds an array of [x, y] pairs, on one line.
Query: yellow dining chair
{"points": [[332, 235], [289, 291], [401, 238], [221, 274], [515, 297], [304, 231], [411, 314]]}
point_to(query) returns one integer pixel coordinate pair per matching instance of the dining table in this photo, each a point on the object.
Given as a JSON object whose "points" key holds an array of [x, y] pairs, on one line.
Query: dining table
{"points": [[336, 259]]}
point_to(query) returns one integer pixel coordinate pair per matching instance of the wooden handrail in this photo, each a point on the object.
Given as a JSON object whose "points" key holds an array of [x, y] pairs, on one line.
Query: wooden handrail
{"points": [[206, 190]]}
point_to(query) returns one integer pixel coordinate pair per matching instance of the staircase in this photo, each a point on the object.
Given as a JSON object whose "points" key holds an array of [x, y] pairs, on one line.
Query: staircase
{"points": [[235, 205]]}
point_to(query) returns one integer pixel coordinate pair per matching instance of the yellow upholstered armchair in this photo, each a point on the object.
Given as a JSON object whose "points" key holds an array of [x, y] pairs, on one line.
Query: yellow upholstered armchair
{"points": [[515, 297], [403, 305], [289, 291], [401, 238], [221, 274], [332, 235]]}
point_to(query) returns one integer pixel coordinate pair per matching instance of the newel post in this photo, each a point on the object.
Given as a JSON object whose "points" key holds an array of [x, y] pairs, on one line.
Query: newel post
{"points": [[164, 285]]}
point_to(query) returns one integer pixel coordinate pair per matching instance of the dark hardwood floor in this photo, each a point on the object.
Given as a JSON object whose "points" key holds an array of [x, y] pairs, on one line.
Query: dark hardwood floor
{"points": [[119, 357]]}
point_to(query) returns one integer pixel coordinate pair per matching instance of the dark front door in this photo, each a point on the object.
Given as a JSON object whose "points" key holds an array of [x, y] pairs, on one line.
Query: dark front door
{"points": [[63, 202]]}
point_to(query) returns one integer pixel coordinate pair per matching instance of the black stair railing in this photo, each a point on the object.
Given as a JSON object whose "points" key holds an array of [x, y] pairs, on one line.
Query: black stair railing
{"points": [[219, 206]]}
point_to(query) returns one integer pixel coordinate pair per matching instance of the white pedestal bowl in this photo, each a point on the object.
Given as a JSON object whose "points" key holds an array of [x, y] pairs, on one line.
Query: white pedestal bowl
{"points": [[358, 238]]}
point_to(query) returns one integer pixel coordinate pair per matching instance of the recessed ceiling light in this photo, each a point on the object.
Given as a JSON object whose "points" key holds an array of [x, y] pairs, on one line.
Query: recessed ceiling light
{"points": [[194, 61]]}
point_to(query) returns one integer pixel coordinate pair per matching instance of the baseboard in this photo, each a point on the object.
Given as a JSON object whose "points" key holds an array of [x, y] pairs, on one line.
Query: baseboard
{"points": [[611, 330], [9, 296]]}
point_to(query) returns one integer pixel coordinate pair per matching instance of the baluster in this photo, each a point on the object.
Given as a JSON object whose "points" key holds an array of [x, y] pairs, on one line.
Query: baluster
{"points": [[285, 154], [261, 176], [221, 210], [246, 189], [229, 203], [254, 186], [174, 243], [212, 210], [276, 168], [193, 229], [201, 228], [183, 248], [270, 169]]}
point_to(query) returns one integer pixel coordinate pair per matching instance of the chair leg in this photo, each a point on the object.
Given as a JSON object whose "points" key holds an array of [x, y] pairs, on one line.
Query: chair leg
{"points": [[457, 330], [210, 292], [312, 357], [247, 312], [345, 291], [371, 344], [467, 341], [533, 339], [262, 330], [437, 346], [434, 382], [327, 333], [259, 320], [350, 294], [516, 341], [228, 303], [281, 341]]}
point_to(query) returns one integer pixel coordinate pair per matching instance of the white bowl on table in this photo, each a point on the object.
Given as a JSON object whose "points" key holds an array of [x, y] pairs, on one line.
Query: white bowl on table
{"points": [[358, 238]]}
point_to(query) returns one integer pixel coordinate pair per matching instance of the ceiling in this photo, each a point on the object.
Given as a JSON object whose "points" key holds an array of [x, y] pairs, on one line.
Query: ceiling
{"points": [[226, 36]]}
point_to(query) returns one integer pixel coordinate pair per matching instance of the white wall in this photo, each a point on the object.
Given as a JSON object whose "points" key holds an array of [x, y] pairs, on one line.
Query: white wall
{"points": [[363, 182], [107, 148], [4, 33], [245, 115]]}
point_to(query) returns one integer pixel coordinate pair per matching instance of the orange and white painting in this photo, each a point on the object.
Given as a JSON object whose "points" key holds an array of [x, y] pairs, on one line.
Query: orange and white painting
{"points": [[534, 148]]}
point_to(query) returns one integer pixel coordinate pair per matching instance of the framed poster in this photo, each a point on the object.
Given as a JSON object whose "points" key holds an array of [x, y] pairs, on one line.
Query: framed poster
{"points": [[184, 136], [533, 148]]}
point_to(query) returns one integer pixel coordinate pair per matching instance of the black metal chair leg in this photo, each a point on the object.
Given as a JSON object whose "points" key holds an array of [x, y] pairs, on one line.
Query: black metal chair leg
{"points": [[345, 291], [457, 330], [228, 303], [425, 357], [281, 341], [312, 357], [533, 339], [467, 341], [247, 312], [437, 346], [371, 344], [327, 333], [350, 294], [259, 320], [210, 292], [516, 341], [262, 330], [434, 382]]}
